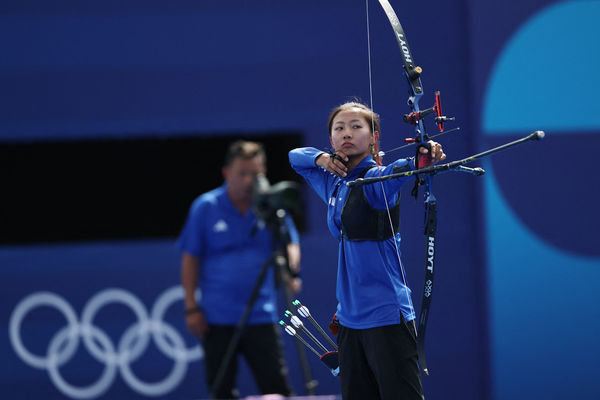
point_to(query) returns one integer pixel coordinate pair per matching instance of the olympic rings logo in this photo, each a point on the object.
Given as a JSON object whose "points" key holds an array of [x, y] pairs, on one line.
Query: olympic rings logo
{"points": [[132, 344]]}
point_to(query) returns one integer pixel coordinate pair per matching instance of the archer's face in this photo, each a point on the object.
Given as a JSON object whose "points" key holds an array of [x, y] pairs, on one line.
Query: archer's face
{"points": [[351, 133], [240, 176]]}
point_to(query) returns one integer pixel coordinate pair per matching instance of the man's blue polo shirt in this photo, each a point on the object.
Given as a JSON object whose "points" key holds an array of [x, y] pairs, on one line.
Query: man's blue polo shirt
{"points": [[232, 249]]}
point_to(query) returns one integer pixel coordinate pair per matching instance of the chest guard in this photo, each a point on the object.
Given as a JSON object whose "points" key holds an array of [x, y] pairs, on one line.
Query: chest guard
{"points": [[360, 221]]}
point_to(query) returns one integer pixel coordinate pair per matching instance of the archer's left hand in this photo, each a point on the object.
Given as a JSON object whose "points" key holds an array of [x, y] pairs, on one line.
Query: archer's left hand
{"points": [[436, 154]]}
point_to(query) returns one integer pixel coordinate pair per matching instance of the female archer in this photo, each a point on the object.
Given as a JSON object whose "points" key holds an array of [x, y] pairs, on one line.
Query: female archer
{"points": [[377, 335]]}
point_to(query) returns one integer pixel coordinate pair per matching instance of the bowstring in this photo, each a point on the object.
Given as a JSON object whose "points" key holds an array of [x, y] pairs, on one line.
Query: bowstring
{"points": [[402, 270]]}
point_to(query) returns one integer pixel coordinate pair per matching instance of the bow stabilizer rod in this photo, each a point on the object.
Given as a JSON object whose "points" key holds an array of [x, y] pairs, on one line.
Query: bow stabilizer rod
{"points": [[453, 165]]}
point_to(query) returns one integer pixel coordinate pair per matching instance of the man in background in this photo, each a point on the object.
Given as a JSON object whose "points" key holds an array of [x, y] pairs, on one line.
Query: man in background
{"points": [[225, 246]]}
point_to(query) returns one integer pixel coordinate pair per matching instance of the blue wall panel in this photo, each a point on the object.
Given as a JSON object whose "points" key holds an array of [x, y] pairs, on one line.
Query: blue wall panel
{"points": [[541, 230]]}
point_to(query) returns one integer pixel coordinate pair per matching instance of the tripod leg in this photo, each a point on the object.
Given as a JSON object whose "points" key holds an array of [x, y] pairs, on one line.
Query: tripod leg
{"points": [[239, 329]]}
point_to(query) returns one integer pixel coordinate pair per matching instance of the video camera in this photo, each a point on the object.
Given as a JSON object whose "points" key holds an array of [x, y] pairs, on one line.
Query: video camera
{"points": [[268, 199]]}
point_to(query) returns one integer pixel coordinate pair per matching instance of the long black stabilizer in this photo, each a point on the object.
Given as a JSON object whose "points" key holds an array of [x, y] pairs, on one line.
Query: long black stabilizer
{"points": [[453, 165]]}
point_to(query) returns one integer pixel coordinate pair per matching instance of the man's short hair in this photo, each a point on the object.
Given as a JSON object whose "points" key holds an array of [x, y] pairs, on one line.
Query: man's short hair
{"points": [[245, 150]]}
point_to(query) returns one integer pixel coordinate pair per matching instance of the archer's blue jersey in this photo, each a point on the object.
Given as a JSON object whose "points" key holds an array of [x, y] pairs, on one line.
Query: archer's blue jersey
{"points": [[370, 289]]}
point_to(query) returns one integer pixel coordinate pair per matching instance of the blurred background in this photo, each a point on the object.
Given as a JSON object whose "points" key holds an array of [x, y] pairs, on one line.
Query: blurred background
{"points": [[115, 115]]}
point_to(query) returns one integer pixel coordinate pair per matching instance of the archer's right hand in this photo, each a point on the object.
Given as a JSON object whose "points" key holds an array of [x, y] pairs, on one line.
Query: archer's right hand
{"points": [[334, 163]]}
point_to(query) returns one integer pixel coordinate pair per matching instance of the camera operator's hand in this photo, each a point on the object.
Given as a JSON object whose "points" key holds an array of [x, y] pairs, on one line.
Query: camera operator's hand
{"points": [[293, 252], [294, 282], [334, 163], [295, 285], [196, 323]]}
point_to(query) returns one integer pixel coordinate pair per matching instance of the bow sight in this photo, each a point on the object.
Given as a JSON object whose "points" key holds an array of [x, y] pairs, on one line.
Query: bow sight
{"points": [[414, 117]]}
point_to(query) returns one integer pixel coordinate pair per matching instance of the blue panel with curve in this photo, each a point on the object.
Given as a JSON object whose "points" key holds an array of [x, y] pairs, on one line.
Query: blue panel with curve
{"points": [[543, 255]]}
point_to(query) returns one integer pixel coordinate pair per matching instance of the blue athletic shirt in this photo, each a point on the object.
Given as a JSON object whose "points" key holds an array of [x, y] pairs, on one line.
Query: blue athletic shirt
{"points": [[370, 290], [232, 249]]}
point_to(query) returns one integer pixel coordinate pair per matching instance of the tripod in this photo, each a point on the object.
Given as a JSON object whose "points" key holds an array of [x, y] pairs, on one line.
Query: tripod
{"points": [[279, 260]]}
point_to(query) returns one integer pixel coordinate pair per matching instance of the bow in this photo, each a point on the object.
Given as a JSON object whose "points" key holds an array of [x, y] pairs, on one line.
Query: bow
{"points": [[413, 76], [425, 172]]}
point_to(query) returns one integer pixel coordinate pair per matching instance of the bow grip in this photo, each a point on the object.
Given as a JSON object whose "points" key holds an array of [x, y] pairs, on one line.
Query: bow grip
{"points": [[423, 160]]}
